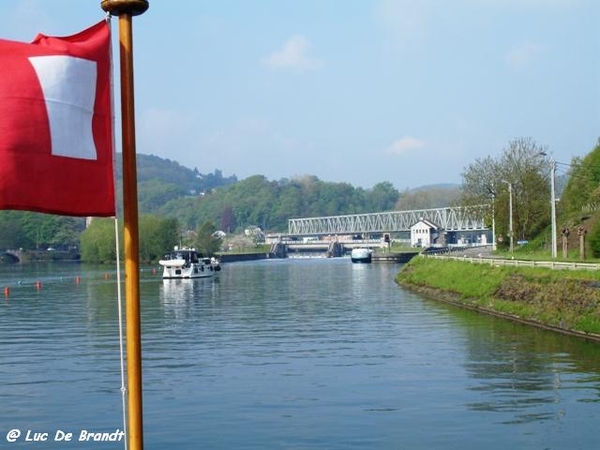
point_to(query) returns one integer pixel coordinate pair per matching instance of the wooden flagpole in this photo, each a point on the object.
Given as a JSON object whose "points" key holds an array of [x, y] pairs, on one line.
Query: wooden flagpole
{"points": [[126, 9]]}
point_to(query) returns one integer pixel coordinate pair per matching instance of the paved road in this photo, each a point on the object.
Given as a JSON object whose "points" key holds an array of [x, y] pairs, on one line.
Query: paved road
{"points": [[479, 252]]}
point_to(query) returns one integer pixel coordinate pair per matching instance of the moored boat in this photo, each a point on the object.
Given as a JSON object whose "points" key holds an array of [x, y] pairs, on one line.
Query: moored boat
{"points": [[188, 263], [361, 255]]}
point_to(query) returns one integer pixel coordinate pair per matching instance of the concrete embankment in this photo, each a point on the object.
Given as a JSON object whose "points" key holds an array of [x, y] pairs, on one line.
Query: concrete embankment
{"points": [[400, 257], [236, 257], [377, 257], [562, 301]]}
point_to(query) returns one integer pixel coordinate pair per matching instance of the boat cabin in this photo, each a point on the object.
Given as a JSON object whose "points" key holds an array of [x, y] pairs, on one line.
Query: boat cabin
{"points": [[190, 256]]}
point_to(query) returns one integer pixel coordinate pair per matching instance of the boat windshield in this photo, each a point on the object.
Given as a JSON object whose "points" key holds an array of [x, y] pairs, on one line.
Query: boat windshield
{"points": [[188, 256]]}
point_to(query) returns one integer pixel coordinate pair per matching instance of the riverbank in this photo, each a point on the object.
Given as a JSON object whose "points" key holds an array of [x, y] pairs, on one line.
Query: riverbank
{"points": [[563, 301], [35, 256]]}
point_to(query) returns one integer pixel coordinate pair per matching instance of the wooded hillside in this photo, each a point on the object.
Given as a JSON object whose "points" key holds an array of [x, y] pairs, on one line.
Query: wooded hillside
{"points": [[169, 190]]}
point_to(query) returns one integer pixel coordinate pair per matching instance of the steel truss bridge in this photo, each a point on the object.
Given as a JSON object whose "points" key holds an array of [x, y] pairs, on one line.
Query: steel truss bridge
{"points": [[449, 219]]}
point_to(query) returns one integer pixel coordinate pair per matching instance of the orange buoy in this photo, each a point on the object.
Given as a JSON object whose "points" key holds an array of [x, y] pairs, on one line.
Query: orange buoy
{"points": [[38, 285], [6, 291], [77, 280]]}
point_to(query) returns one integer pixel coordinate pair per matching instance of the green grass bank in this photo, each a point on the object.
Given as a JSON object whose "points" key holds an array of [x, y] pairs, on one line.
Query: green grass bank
{"points": [[560, 300]]}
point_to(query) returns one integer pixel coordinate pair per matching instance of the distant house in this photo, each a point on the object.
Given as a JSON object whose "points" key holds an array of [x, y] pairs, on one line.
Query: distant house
{"points": [[424, 234]]}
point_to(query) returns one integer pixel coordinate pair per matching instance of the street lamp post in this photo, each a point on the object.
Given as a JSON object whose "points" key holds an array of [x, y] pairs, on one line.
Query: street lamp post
{"points": [[493, 192], [553, 206], [494, 223], [552, 203], [510, 215]]}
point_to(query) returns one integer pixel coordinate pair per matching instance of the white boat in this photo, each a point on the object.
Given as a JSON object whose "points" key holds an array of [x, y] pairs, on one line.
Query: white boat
{"points": [[361, 255], [188, 263]]}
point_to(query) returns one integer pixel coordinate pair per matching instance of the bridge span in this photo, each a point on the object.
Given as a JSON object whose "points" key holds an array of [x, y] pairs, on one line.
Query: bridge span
{"points": [[12, 255], [452, 218]]}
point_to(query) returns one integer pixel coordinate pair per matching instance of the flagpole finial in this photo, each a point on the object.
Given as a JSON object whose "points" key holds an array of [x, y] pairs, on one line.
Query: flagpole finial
{"points": [[117, 7]]}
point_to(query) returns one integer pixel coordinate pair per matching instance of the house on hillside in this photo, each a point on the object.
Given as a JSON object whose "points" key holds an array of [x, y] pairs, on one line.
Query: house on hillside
{"points": [[424, 233]]}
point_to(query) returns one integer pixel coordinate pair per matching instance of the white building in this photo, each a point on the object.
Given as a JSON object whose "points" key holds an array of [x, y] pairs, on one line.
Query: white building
{"points": [[424, 234]]}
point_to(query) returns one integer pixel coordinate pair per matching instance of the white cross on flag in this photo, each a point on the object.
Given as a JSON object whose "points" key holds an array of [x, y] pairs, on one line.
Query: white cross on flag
{"points": [[56, 148]]}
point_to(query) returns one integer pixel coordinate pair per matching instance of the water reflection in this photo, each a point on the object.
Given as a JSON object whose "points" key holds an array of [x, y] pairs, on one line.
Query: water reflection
{"points": [[525, 374]]}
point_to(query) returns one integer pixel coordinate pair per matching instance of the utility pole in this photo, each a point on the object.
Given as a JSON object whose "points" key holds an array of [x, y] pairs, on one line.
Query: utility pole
{"points": [[494, 248], [552, 203], [494, 224], [510, 215], [553, 206]]}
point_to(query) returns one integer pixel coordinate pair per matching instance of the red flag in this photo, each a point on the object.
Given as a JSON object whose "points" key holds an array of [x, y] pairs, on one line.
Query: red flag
{"points": [[56, 148]]}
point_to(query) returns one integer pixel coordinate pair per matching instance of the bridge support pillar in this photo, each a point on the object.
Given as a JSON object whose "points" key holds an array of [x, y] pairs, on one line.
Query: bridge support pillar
{"points": [[335, 250], [279, 250]]}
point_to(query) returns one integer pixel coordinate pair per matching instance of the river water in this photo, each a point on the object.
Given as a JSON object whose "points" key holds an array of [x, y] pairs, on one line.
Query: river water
{"points": [[285, 354]]}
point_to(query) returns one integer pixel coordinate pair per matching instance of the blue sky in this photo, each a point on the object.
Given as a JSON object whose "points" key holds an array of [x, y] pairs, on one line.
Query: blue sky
{"points": [[356, 91]]}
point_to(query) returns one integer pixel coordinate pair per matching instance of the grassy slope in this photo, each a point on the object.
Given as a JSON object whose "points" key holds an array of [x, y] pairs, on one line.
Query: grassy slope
{"points": [[565, 300]]}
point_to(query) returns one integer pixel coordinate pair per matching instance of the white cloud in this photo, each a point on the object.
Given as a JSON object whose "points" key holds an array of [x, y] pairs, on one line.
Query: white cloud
{"points": [[405, 146], [293, 55], [522, 55]]}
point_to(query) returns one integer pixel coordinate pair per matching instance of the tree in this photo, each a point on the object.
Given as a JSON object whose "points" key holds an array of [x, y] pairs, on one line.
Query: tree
{"points": [[526, 166], [157, 236], [207, 239], [427, 198], [256, 201], [382, 197], [155, 193], [580, 199], [582, 193], [11, 231], [98, 241], [227, 219]]}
